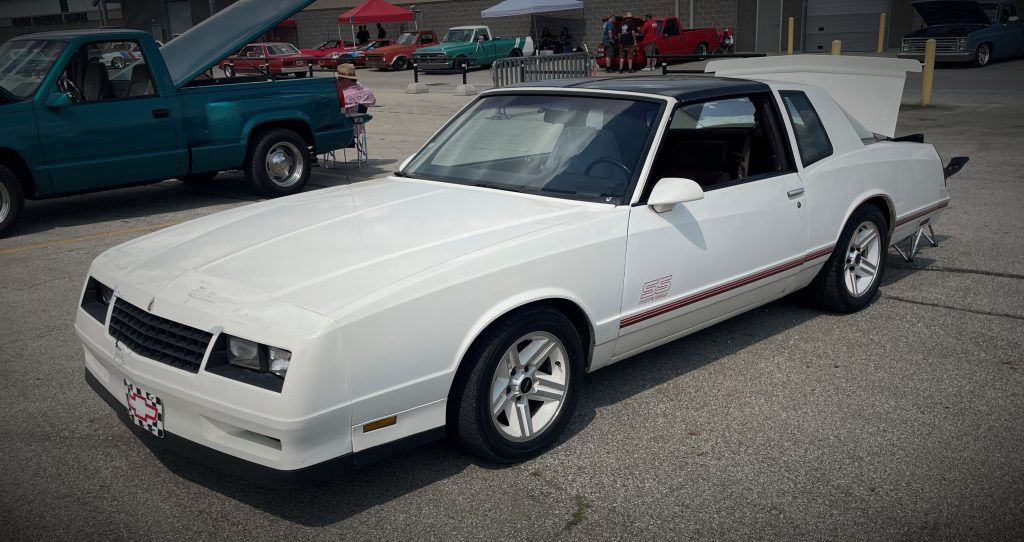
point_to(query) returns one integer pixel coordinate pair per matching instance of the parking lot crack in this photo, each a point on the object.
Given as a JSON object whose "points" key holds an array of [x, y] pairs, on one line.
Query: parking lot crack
{"points": [[952, 308]]}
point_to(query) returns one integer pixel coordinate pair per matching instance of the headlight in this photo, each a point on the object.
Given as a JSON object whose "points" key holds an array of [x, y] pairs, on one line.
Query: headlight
{"points": [[249, 362], [906, 46], [96, 299], [962, 44]]}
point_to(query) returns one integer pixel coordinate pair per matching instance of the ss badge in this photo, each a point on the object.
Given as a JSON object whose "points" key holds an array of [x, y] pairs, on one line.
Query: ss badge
{"points": [[655, 289]]}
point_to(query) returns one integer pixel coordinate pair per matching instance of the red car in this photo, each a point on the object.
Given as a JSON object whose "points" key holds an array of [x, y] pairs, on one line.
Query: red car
{"points": [[276, 58], [327, 47], [351, 55], [399, 55], [671, 39]]}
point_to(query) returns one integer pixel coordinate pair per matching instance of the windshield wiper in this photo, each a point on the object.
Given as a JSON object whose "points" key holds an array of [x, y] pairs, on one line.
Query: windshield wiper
{"points": [[399, 174], [498, 187]]}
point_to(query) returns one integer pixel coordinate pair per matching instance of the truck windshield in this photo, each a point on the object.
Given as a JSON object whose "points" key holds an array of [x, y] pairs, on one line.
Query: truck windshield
{"points": [[407, 38], [24, 64], [458, 35], [555, 145], [990, 9]]}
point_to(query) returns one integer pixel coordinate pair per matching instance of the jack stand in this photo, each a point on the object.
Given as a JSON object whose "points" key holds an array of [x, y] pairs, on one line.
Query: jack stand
{"points": [[929, 236]]}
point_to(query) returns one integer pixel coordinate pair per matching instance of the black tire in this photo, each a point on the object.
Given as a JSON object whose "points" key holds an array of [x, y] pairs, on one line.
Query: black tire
{"points": [[400, 63], [12, 200], [117, 63], [260, 148], [828, 290], [469, 418], [229, 71], [702, 50], [514, 53], [198, 178], [300, 75], [457, 65], [983, 55]]}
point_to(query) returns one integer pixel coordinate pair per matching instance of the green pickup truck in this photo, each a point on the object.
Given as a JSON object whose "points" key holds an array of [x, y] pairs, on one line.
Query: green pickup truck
{"points": [[472, 45], [75, 122]]}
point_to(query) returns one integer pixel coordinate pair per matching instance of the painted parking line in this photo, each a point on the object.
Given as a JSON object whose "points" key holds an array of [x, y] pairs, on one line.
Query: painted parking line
{"points": [[72, 240]]}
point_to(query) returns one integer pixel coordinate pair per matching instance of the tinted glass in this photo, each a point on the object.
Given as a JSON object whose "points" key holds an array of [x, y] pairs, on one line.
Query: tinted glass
{"points": [[23, 65], [811, 137], [735, 112], [562, 146]]}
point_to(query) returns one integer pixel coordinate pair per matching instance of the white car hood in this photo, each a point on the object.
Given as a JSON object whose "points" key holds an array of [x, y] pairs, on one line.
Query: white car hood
{"points": [[324, 249]]}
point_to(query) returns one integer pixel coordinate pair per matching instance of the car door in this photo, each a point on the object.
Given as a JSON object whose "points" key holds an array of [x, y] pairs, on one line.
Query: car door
{"points": [[118, 130], [739, 246]]}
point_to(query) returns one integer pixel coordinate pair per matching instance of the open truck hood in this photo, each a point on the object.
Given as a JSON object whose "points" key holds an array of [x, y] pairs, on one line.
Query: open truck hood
{"points": [[222, 35], [939, 12], [870, 89]]}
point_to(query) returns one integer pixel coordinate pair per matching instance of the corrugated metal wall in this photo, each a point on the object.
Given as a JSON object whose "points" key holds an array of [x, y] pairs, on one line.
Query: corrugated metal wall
{"points": [[854, 22]]}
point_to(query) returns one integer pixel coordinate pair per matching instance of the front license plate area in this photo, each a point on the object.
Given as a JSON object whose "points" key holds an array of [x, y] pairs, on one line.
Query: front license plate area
{"points": [[145, 409]]}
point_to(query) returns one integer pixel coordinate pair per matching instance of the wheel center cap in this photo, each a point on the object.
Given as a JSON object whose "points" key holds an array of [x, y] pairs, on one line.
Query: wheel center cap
{"points": [[525, 385]]}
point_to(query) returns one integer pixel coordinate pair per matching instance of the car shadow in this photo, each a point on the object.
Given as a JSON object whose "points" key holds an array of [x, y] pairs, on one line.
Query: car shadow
{"points": [[171, 196]]}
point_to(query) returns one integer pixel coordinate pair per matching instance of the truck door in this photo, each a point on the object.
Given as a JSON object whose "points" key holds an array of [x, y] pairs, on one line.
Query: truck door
{"points": [[117, 129], [671, 42], [1009, 41], [486, 53]]}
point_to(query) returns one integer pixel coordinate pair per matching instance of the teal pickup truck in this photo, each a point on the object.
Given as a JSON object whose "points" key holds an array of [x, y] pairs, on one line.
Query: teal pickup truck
{"points": [[472, 45], [73, 123]]}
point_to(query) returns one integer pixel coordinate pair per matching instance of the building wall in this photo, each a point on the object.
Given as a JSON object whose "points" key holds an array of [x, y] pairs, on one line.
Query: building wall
{"points": [[18, 17]]}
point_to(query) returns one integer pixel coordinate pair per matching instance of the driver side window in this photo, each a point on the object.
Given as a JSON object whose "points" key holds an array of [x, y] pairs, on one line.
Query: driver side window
{"points": [[109, 70], [671, 28]]}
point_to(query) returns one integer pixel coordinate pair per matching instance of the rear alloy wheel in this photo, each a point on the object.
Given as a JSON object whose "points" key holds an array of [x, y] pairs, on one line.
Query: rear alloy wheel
{"points": [[229, 71], [400, 64], [278, 163], [983, 55], [702, 50], [521, 387], [851, 276], [12, 200]]}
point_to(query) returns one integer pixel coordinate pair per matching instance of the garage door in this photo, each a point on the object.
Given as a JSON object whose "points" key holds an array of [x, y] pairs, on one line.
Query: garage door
{"points": [[854, 22]]}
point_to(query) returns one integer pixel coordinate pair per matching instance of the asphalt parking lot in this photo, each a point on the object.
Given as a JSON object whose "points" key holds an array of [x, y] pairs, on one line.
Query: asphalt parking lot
{"points": [[903, 421]]}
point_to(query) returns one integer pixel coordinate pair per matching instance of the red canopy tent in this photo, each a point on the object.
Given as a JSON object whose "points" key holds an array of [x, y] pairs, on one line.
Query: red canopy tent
{"points": [[373, 11]]}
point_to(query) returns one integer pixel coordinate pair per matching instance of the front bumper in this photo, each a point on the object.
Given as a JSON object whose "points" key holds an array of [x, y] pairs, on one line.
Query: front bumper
{"points": [[434, 65], [967, 56]]}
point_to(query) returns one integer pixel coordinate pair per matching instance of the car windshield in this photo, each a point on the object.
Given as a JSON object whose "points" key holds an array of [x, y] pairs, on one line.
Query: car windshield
{"points": [[561, 146], [458, 35], [24, 64], [990, 10], [327, 45], [282, 49], [407, 38]]}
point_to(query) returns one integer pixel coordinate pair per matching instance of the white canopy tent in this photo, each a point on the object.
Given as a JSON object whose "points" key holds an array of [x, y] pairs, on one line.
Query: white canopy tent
{"points": [[510, 8], [529, 7]]}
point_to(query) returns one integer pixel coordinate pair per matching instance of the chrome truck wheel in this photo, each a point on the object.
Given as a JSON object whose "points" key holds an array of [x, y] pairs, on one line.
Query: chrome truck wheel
{"points": [[278, 162], [12, 200]]}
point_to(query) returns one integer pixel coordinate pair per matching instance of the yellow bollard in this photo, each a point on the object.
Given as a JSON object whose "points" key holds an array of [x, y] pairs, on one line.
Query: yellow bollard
{"points": [[789, 41], [881, 34], [837, 47], [929, 72]]}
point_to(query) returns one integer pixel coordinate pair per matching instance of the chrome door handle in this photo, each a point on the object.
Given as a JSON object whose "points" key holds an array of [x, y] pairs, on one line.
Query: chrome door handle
{"points": [[795, 193]]}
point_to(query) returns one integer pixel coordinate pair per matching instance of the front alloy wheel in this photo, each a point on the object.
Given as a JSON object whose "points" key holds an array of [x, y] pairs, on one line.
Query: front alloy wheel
{"points": [[518, 386]]}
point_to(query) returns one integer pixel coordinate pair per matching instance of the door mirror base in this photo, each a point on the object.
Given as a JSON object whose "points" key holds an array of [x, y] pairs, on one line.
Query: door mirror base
{"points": [[58, 100], [671, 191]]}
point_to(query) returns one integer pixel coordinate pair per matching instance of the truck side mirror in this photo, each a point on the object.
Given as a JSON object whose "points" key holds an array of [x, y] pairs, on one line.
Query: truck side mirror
{"points": [[671, 191], [58, 100], [1013, 19]]}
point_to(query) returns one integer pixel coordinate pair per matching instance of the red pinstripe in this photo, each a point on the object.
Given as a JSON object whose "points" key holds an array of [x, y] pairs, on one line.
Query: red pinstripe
{"points": [[922, 212], [721, 289]]}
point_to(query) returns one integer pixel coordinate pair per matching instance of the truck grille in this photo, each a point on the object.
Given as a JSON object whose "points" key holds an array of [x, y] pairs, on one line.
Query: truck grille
{"points": [[942, 45], [157, 338], [431, 57]]}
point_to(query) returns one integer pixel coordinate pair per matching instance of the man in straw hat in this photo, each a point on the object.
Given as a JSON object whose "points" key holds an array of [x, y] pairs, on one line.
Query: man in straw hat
{"points": [[352, 94]]}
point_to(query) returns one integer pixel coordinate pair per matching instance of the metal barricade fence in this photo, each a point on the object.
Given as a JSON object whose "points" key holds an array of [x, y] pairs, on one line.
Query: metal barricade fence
{"points": [[524, 69]]}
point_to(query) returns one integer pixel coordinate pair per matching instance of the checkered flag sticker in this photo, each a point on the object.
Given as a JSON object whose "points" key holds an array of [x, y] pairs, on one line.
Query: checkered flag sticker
{"points": [[145, 409]]}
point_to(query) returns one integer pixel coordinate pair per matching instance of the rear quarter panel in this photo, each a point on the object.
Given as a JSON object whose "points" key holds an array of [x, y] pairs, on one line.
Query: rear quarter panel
{"points": [[219, 119]]}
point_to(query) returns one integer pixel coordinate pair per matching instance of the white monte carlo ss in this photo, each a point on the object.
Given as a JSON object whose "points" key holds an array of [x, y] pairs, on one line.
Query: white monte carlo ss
{"points": [[543, 233]]}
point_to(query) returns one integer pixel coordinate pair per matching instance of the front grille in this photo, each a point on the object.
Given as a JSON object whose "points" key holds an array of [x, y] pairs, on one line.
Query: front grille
{"points": [[942, 45], [157, 338], [432, 57]]}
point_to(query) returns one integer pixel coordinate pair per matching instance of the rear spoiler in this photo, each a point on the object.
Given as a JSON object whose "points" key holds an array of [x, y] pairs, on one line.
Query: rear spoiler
{"points": [[955, 165]]}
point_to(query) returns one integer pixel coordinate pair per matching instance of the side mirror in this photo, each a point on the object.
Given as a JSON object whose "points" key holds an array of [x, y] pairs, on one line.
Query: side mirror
{"points": [[672, 191], [58, 100], [1013, 19]]}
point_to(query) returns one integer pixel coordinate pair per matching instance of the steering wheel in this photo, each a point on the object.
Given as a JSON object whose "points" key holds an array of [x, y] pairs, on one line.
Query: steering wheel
{"points": [[66, 86], [611, 161]]}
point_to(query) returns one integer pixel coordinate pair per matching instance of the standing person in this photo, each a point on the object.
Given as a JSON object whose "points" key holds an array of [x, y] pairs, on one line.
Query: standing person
{"points": [[627, 41], [363, 35], [381, 34], [648, 40], [608, 35], [565, 39]]}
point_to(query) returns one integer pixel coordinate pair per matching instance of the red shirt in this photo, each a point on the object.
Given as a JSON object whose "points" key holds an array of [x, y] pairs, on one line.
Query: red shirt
{"points": [[649, 30]]}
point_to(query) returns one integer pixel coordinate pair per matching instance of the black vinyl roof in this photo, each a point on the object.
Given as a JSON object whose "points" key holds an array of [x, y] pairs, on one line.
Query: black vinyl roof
{"points": [[680, 87]]}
